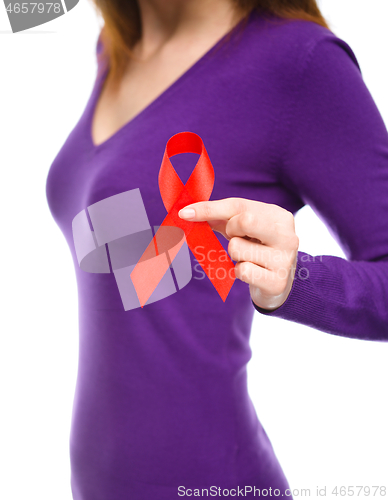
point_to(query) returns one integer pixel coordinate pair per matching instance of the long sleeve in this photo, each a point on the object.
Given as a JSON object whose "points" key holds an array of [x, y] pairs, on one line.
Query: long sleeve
{"points": [[334, 155]]}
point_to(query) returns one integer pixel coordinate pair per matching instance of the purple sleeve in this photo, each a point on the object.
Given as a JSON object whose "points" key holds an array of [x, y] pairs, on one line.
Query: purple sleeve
{"points": [[335, 156]]}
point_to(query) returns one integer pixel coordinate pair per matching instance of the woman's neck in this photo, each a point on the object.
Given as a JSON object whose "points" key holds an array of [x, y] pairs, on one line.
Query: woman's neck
{"points": [[169, 22]]}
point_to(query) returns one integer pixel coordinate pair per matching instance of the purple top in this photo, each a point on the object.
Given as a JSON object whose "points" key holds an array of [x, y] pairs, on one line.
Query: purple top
{"points": [[161, 399]]}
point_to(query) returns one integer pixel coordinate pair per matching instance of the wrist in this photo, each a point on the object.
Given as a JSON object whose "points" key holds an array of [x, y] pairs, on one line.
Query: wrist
{"points": [[271, 303]]}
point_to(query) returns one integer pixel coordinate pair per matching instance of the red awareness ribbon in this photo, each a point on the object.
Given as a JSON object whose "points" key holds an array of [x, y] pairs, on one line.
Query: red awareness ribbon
{"points": [[199, 236]]}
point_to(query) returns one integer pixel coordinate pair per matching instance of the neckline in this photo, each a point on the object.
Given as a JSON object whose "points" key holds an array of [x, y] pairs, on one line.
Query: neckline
{"points": [[159, 98]]}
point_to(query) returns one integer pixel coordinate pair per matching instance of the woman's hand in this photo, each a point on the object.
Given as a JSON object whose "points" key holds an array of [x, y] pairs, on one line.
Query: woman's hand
{"points": [[262, 241]]}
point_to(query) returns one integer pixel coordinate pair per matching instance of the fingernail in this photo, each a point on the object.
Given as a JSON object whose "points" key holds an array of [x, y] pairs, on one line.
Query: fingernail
{"points": [[187, 213]]}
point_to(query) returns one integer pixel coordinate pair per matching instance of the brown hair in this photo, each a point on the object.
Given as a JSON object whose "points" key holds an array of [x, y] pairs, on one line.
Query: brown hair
{"points": [[122, 25]]}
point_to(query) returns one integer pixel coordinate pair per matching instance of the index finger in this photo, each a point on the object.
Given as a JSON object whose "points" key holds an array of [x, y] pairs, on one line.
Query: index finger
{"points": [[219, 209]]}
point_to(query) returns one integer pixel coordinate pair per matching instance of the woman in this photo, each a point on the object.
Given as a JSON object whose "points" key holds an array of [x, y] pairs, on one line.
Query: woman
{"points": [[161, 407]]}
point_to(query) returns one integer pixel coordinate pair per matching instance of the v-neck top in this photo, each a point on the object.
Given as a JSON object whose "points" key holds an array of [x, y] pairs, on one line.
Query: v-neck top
{"points": [[161, 403]]}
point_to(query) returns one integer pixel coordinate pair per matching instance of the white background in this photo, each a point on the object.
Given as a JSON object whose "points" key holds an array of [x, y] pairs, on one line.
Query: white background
{"points": [[322, 399]]}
